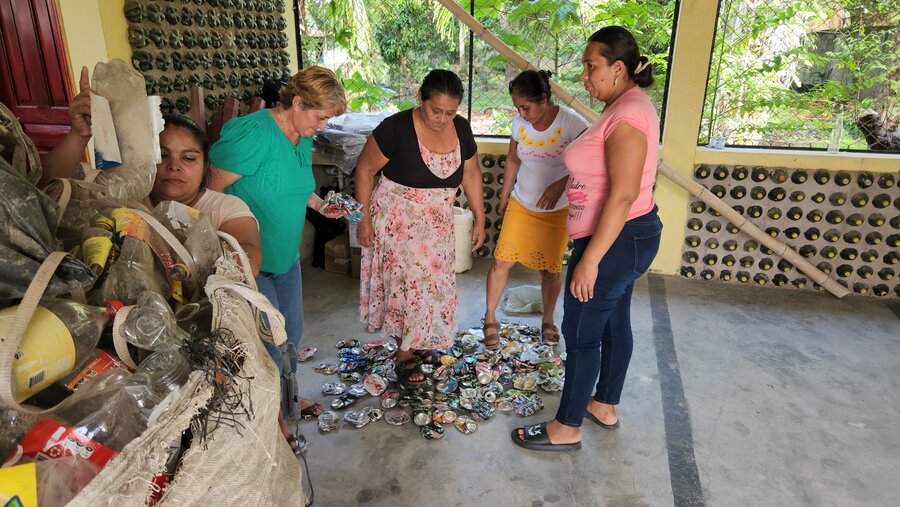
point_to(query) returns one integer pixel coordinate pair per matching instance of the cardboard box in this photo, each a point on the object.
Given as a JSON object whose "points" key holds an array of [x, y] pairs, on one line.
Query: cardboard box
{"points": [[337, 255], [355, 261]]}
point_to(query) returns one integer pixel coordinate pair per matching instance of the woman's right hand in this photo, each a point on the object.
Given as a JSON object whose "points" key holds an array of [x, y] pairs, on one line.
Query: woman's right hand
{"points": [[504, 202], [365, 234]]}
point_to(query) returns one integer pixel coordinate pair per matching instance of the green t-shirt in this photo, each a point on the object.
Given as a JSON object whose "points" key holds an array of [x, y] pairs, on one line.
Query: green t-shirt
{"points": [[276, 181]]}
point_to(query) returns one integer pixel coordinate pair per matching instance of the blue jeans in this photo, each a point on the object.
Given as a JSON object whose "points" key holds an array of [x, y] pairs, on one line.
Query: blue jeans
{"points": [[598, 332], [285, 292]]}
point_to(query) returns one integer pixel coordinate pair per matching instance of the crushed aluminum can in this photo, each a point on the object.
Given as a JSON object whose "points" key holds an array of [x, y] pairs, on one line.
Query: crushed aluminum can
{"points": [[396, 417], [448, 360], [468, 342], [421, 416], [326, 368], [345, 400], [306, 354], [442, 373], [469, 392], [353, 376], [389, 398], [359, 417], [358, 390], [348, 366], [432, 431], [465, 425], [527, 406], [483, 373], [443, 416], [446, 386], [504, 405], [334, 388], [328, 421], [525, 382], [375, 384], [440, 405], [483, 411], [456, 351], [466, 403], [376, 414], [427, 368], [347, 344], [553, 384], [490, 396]]}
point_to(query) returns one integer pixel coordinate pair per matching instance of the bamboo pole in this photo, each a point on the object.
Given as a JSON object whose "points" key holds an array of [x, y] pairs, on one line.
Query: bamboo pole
{"points": [[749, 228], [694, 188]]}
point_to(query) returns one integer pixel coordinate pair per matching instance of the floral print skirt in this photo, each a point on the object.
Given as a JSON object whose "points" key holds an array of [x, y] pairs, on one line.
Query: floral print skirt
{"points": [[408, 279]]}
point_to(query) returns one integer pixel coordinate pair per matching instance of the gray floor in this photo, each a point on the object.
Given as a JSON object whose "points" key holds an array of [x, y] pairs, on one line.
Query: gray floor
{"points": [[735, 396]]}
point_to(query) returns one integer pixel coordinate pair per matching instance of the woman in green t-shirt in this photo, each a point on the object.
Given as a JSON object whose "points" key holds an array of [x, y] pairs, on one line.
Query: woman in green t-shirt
{"points": [[265, 158]]}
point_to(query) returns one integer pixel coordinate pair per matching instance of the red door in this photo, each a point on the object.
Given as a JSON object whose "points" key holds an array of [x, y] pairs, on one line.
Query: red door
{"points": [[34, 71]]}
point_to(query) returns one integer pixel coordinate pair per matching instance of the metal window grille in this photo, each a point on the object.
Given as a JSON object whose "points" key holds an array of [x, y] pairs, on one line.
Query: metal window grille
{"points": [[383, 48], [819, 74]]}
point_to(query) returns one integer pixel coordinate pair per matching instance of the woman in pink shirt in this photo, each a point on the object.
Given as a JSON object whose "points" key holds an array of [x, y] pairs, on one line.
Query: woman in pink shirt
{"points": [[614, 225]]}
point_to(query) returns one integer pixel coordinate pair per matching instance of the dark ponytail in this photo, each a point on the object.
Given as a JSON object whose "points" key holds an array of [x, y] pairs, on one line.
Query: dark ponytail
{"points": [[644, 78], [617, 43], [532, 85]]}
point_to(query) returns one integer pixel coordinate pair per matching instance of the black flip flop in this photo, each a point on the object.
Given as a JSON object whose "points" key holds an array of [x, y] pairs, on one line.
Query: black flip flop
{"points": [[600, 423], [536, 439]]}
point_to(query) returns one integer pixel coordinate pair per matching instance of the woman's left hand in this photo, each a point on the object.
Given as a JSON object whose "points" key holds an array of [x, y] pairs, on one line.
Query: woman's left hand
{"points": [[331, 214], [477, 236], [552, 194], [583, 279]]}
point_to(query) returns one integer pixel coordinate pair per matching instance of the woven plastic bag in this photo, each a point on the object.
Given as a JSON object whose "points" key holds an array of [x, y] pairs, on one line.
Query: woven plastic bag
{"points": [[249, 463], [523, 299]]}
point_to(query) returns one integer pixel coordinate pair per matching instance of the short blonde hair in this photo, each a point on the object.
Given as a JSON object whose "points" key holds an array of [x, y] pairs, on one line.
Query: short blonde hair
{"points": [[318, 88]]}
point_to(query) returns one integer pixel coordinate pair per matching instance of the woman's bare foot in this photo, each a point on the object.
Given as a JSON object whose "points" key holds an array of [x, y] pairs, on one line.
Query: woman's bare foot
{"points": [[559, 433], [604, 412]]}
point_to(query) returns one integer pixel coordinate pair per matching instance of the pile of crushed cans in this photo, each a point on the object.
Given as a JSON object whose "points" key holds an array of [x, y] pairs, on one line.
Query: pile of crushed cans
{"points": [[464, 385]]}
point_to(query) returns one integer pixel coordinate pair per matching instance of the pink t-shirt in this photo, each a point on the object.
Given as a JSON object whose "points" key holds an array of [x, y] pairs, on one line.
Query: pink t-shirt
{"points": [[586, 160]]}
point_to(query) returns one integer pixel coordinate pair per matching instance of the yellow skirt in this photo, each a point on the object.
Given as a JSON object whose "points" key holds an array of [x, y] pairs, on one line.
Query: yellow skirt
{"points": [[536, 240]]}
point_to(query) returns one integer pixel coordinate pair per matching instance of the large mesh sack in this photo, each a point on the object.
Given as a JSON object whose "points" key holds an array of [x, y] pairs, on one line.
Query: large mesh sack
{"points": [[242, 464]]}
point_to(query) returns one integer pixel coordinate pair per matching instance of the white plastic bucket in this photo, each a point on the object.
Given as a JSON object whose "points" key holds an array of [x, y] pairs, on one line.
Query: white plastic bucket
{"points": [[463, 223]]}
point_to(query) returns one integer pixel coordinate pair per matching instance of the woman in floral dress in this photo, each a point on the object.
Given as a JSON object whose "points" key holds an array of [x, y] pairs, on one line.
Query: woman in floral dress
{"points": [[408, 280]]}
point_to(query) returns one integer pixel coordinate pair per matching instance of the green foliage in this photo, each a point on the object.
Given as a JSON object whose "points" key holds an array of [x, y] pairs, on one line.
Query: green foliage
{"points": [[782, 71]]}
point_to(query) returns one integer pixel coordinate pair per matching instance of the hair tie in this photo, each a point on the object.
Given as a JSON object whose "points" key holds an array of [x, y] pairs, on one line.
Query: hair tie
{"points": [[640, 68]]}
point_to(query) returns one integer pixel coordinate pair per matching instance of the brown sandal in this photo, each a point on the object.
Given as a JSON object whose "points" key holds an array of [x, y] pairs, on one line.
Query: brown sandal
{"points": [[549, 333], [491, 335]]}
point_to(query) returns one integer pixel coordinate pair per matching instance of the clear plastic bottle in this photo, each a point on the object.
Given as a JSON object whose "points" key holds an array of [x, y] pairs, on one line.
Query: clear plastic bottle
{"points": [[837, 131], [134, 273], [97, 243], [151, 325], [61, 335], [168, 370]]}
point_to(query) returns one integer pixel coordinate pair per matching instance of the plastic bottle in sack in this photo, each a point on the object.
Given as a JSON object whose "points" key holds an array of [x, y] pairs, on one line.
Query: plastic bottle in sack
{"points": [[48, 482], [195, 317], [123, 415], [97, 243], [61, 334], [124, 88], [168, 370], [134, 273], [129, 223], [151, 325], [195, 231]]}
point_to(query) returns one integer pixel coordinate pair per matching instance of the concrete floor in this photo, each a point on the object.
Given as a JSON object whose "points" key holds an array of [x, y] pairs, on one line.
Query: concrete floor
{"points": [[735, 396]]}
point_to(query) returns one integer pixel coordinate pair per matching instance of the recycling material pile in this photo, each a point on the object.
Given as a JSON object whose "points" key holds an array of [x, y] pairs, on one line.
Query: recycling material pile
{"points": [[89, 376], [463, 386]]}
